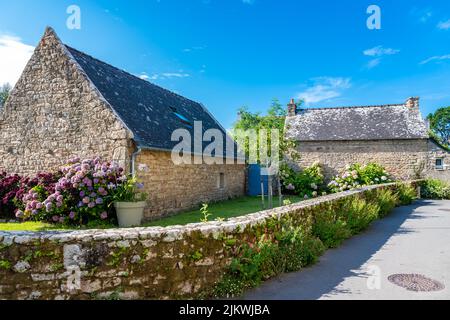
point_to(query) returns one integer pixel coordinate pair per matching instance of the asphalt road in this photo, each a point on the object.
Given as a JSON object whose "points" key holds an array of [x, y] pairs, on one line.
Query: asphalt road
{"points": [[412, 240]]}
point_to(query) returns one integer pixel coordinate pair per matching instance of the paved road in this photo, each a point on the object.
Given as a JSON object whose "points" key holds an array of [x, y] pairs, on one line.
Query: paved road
{"points": [[413, 239]]}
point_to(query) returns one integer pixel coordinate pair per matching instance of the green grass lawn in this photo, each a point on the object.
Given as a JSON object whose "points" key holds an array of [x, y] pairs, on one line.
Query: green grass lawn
{"points": [[225, 210]]}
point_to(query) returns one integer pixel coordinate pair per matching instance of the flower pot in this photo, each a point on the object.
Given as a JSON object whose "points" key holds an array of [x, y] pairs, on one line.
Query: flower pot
{"points": [[130, 214]]}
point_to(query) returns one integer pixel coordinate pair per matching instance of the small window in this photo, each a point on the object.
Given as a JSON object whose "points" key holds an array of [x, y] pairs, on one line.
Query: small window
{"points": [[440, 164], [183, 119], [221, 182]]}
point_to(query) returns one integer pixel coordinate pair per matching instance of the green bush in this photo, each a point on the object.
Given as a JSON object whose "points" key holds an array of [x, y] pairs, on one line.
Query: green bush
{"points": [[386, 200], [289, 249], [283, 246], [297, 248], [306, 183], [330, 228], [360, 214], [406, 194], [435, 189]]}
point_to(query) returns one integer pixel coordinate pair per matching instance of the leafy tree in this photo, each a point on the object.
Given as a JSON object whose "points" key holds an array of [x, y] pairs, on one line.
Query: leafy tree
{"points": [[440, 125], [274, 119], [4, 93]]}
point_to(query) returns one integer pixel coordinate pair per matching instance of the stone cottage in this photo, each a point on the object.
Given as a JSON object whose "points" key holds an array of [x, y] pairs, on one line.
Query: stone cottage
{"points": [[393, 135], [67, 104]]}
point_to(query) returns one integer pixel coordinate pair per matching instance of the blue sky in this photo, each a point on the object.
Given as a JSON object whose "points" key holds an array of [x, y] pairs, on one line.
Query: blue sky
{"points": [[232, 53]]}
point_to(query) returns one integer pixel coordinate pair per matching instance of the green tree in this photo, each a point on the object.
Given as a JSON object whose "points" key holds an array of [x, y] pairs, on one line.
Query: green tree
{"points": [[4, 93], [440, 125], [273, 119]]}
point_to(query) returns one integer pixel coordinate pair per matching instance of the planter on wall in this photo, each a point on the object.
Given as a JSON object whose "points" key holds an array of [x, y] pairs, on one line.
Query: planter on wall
{"points": [[130, 214]]}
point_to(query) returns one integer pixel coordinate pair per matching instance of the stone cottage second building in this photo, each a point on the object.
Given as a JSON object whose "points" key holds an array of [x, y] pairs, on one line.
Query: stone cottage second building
{"points": [[67, 104], [394, 136]]}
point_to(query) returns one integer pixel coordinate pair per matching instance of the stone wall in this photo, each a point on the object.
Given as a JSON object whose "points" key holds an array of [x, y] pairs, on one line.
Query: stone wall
{"points": [[140, 263], [436, 152], [401, 158], [174, 188], [54, 113]]}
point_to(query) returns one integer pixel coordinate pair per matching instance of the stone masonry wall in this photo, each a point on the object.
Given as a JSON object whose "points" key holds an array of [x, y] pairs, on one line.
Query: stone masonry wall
{"points": [[55, 113], [401, 158], [174, 188], [140, 263], [436, 152]]}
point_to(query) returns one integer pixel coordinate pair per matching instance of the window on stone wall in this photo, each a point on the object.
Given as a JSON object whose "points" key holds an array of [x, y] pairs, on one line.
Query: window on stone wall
{"points": [[439, 164], [221, 181]]}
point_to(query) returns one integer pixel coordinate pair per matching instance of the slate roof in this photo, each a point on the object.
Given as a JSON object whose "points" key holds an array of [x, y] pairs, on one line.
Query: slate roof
{"points": [[386, 122], [149, 111]]}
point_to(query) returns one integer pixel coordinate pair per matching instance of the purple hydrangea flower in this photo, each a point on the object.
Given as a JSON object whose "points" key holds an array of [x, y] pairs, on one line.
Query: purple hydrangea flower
{"points": [[104, 215], [140, 186], [72, 215]]}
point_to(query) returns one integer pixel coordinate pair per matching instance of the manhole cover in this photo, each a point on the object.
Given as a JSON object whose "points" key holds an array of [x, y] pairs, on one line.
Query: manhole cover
{"points": [[416, 282]]}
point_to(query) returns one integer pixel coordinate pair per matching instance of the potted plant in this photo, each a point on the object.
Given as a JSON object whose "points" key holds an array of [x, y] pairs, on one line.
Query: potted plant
{"points": [[129, 202]]}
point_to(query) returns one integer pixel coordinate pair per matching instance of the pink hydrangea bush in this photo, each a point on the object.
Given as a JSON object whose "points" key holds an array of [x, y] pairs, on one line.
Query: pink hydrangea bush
{"points": [[14, 187], [81, 196]]}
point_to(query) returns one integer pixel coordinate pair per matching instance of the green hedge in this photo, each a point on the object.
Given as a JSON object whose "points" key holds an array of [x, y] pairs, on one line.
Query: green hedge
{"points": [[435, 189]]}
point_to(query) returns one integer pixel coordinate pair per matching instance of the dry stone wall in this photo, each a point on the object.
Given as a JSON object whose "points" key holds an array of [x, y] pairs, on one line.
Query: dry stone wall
{"points": [[141, 263]]}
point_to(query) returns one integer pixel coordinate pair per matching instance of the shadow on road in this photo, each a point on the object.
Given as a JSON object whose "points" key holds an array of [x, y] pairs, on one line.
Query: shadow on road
{"points": [[337, 264]]}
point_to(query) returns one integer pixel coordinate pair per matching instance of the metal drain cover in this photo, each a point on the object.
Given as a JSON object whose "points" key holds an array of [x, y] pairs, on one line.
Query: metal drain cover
{"points": [[416, 282]]}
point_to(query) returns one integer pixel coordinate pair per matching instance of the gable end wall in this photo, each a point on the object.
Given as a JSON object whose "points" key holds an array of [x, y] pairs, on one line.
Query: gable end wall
{"points": [[55, 113]]}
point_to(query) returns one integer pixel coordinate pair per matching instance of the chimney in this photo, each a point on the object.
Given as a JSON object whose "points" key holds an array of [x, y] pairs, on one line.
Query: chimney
{"points": [[413, 104], [292, 109]]}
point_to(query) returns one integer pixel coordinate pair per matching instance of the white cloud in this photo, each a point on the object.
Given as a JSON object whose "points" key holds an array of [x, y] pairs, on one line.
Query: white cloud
{"points": [[426, 16], [423, 15], [197, 48], [144, 77], [444, 25], [324, 88], [175, 75], [379, 51], [162, 76], [373, 63], [436, 58], [14, 55]]}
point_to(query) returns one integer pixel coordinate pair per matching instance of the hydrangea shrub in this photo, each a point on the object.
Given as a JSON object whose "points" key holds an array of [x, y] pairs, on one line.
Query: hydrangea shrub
{"points": [[306, 183], [81, 195], [14, 187], [357, 176]]}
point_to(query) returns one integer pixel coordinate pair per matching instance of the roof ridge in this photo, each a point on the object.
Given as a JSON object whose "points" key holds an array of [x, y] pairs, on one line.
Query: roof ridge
{"points": [[130, 74], [356, 107]]}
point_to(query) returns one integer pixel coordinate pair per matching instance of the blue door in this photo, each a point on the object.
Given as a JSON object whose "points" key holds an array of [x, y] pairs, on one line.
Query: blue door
{"points": [[254, 180]]}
